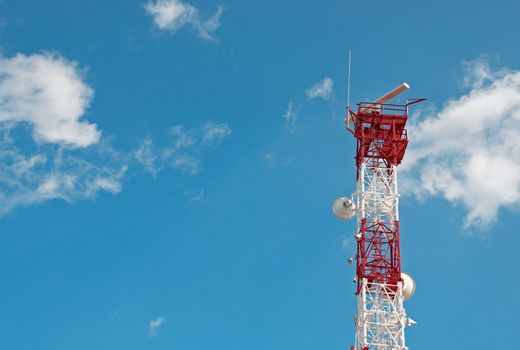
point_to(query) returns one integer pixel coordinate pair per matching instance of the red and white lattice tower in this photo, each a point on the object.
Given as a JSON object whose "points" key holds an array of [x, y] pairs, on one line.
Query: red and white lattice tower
{"points": [[381, 137]]}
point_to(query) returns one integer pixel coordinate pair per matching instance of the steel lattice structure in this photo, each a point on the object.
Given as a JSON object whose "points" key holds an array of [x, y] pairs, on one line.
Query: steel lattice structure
{"points": [[381, 139]]}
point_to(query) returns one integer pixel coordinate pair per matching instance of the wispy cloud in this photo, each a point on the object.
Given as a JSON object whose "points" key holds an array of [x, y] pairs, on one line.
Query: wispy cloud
{"points": [[185, 150], [322, 89], [290, 116], [183, 153], [214, 133], [154, 325], [195, 196], [147, 156], [47, 92], [346, 242], [64, 156], [468, 152], [172, 15], [28, 178], [271, 161]]}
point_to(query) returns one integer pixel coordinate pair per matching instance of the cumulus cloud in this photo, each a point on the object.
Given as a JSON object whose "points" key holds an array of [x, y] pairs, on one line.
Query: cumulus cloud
{"points": [[322, 89], [47, 92], [290, 116], [468, 151], [154, 325], [172, 15], [64, 157]]}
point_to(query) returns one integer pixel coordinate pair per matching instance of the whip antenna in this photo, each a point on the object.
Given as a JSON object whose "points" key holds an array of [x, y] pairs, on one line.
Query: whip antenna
{"points": [[348, 79]]}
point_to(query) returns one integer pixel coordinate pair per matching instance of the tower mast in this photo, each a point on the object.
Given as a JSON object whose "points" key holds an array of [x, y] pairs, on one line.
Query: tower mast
{"points": [[381, 141]]}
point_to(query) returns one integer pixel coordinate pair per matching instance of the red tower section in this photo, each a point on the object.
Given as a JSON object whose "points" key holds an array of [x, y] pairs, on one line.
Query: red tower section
{"points": [[381, 138]]}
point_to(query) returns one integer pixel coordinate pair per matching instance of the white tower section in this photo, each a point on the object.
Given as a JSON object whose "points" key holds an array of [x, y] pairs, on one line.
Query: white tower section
{"points": [[381, 318], [381, 140]]}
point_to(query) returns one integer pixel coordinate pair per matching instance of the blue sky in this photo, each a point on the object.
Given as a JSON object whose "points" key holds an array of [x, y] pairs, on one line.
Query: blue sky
{"points": [[167, 171]]}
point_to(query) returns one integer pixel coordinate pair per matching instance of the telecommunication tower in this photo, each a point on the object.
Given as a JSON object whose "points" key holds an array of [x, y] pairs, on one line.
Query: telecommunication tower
{"points": [[381, 140]]}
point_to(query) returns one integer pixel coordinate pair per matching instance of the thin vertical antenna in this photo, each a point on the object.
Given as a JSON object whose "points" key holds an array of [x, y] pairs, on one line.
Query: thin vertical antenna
{"points": [[348, 79], [348, 88]]}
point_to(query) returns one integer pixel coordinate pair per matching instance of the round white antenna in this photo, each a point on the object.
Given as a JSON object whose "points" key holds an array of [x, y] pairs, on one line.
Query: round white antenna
{"points": [[344, 208], [408, 285]]}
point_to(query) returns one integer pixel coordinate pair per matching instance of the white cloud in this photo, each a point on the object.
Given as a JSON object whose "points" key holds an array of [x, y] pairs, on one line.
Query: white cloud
{"points": [[185, 152], [183, 138], [186, 149], [195, 196], [290, 116], [30, 178], [468, 152], [269, 160], [53, 172], [47, 92], [147, 156], [187, 164], [214, 133], [322, 89], [68, 160], [172, 15], [154, 325]]}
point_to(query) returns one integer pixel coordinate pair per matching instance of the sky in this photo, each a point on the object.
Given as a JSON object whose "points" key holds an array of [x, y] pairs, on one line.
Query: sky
{"points": [[167, 170]]}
